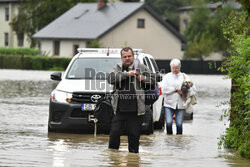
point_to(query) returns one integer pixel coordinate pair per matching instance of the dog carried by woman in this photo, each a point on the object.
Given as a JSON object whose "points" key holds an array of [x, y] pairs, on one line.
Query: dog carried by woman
{"points": [[187, 98]]}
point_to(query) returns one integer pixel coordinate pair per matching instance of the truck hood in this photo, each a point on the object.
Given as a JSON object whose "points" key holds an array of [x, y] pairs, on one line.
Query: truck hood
{"points": [[83, 85]]}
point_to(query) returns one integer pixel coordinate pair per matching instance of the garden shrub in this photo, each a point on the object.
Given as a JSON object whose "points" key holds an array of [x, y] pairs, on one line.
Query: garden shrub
{"points": [[13, 62], [33, 62], [19, 51], [237, 66]]}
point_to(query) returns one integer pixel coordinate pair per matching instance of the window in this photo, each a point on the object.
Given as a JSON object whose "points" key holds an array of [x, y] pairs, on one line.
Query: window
{"points": [[91, 68], [75, 47], [147, 63], [140, 23], [144, 62], [20, 39], [155, 65], [7, 16], [56, 48], [39, 45], [185, 22], [6, 39]]}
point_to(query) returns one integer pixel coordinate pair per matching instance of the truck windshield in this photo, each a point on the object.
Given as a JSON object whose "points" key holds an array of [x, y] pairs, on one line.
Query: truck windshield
{"points": [[92, 68]]}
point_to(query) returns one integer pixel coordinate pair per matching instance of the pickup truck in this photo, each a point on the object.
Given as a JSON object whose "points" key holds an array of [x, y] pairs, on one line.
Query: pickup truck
{"points": [[73, 101]]}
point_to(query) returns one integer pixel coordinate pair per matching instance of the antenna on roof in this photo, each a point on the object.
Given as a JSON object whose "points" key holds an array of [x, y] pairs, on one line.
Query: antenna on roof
{"points": [[108, 52], [84, 12]]}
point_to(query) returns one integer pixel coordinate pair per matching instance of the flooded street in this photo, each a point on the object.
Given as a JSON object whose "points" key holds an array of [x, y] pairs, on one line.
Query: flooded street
{"points": [[24, 140]]}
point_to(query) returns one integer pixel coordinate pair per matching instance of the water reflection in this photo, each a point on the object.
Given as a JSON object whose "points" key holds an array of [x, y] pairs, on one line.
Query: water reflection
{"points": [[59, 148], [119, 158]]}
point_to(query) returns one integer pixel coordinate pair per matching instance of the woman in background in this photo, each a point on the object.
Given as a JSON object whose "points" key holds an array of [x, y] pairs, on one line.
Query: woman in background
{"points": [[173, 101]]}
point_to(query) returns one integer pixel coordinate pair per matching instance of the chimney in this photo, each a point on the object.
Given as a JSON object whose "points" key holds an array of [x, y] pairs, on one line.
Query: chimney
{"points": [[101, 4]]}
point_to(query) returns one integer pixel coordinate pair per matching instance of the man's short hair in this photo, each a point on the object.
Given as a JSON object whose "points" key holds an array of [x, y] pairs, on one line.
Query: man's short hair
{"points": [[126, 49]]}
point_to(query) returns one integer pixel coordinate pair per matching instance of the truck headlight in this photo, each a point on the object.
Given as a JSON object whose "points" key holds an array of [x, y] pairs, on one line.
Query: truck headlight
{"points": [[60, 96]]}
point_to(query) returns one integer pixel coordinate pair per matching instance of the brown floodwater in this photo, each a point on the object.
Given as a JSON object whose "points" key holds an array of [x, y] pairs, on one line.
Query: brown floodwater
{"points": [[25, 141]]}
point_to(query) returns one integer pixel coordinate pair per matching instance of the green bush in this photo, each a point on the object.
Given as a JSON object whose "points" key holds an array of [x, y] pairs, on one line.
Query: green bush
{"points": [[56, 69], [238, 67], [33, 62], [37, 63], [13, 62], [27, 62], [19, 51]]}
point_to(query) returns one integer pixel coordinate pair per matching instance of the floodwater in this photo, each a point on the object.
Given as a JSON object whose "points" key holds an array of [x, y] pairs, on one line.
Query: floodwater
{"points": [[24, 140]]}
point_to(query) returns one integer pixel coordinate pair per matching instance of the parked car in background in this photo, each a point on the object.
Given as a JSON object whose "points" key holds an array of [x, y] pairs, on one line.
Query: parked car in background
{"points": [[73, 101]]}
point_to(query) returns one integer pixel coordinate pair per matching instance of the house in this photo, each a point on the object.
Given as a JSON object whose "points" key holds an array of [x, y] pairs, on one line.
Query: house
{"points": [[114, 25], [8, 38]]}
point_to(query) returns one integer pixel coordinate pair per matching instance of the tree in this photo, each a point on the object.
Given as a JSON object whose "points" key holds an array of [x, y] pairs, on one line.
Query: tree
{"points": [[36, 14], [94, 44], [204, 32], [168, 8]]}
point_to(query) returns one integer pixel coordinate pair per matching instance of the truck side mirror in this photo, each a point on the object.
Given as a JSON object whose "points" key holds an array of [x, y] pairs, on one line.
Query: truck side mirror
{"points": [[56, 76]]}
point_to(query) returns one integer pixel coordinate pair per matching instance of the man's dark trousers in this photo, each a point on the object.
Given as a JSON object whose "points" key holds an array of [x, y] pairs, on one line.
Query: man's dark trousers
{"points": [[132, 123]]}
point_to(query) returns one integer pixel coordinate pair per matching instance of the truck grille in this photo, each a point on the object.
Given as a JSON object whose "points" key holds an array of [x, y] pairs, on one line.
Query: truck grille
{"points": [[80, 97]]}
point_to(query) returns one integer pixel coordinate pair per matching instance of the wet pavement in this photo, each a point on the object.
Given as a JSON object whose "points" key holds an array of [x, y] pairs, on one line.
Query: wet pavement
{"points": [[24, 140]]}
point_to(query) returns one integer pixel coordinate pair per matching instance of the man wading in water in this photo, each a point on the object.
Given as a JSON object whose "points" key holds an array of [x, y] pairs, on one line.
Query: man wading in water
{"points": [[128, 100]]}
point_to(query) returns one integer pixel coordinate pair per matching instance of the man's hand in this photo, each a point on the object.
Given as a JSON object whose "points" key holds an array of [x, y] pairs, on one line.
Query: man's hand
{"points": [[132, 73], [140, 77]]}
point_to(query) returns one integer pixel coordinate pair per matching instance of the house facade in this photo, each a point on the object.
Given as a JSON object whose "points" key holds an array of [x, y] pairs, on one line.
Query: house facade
{"points": [[114, 25], [8, 38]]}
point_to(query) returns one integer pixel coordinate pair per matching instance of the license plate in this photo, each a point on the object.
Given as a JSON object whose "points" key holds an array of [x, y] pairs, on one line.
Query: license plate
{"points": [[88, 107]]}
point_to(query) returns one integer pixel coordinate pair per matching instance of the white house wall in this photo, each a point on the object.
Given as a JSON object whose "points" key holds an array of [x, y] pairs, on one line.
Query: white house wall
{"points": [[66, 47], [154, 39], [46, 47], [6, 28]]}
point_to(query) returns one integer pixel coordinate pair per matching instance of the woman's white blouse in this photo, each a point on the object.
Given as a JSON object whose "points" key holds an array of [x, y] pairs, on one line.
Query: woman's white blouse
{"points": [[169, 84]]}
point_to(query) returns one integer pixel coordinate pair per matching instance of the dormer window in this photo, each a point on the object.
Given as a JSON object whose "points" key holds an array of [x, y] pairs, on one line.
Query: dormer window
{"points": [[140, 23]]}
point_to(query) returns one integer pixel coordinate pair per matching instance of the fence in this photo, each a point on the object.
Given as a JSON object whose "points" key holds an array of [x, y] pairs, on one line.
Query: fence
{"points": [[45, 63], [193, 67]]}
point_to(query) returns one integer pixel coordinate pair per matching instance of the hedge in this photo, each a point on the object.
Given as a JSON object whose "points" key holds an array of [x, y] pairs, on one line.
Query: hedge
{"points": [[33, 62], [19, 51]]}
